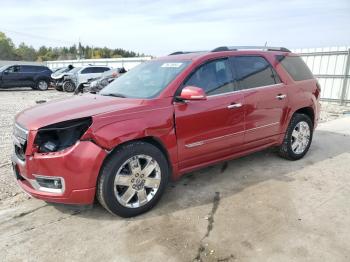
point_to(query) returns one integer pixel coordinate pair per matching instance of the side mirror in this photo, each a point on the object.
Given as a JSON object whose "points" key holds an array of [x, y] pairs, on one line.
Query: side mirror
{"points": [[192, 93], [6, 72]]}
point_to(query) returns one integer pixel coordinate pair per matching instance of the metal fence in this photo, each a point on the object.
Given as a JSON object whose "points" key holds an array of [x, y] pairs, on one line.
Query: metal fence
{"points": [[127, 63], [8, 62], [331, 67]]}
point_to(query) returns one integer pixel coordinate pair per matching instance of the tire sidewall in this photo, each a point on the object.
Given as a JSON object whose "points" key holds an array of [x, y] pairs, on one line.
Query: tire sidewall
{"points": [[297, 118], [111, 168], [65, 88], [38, 82]]}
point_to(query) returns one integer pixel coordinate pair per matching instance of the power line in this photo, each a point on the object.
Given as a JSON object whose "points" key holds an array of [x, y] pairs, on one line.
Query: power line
{"points": [[37, 36]]}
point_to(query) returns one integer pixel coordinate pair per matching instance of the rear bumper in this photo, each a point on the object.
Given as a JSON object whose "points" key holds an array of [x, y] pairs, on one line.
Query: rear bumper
{"points": [[77, 167]]}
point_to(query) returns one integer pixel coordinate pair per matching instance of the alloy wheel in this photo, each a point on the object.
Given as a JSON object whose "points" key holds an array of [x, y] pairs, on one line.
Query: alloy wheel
{"points": [[42, 85], [300, 137], [137, 181]]}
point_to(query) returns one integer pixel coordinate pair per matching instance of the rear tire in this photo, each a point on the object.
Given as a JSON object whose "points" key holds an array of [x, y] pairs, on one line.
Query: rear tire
{"points": [[298, 137], [124, 187], [42, 85]]}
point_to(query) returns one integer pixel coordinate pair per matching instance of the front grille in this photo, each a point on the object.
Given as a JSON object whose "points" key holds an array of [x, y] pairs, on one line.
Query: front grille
{"points": [[20, 136]]}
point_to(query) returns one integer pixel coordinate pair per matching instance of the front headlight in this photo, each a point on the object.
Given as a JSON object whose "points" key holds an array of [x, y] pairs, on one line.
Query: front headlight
{"points": [[61, 135], [94, 83]]}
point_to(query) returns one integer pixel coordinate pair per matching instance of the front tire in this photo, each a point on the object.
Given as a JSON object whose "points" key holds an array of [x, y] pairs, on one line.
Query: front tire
{"points": [[298, 137], [68, 86], [133, 179]]}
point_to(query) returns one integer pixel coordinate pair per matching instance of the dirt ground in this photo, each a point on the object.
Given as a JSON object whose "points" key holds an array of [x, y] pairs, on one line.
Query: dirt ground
{"points": [[256, 208]]}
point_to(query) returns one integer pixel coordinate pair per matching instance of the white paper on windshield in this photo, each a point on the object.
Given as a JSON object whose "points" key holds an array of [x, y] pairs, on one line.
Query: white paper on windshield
{"points": [[174, 65]]}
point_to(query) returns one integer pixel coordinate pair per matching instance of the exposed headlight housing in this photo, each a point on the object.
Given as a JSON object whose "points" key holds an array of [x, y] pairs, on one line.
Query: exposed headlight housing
{"points": [[59, 136]]}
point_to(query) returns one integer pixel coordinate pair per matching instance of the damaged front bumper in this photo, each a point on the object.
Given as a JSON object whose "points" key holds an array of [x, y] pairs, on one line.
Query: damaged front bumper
{"points": [[68, 176]]}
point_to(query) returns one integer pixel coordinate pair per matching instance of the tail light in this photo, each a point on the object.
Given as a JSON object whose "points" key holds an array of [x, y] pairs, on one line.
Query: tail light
{"points": [[318, 90]]}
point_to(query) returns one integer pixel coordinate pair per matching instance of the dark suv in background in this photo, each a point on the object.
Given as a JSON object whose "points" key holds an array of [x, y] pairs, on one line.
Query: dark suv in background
{"points": [[34, 76]]}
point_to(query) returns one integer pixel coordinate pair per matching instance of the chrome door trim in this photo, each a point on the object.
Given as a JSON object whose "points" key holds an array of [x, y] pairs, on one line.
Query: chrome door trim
{"points": [[203, 142], [245, 90], [255, 128]]}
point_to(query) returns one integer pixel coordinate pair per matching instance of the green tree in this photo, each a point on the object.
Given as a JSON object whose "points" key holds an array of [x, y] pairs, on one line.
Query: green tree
{"points": [[8, 51], [7, 48], [26, 53]]}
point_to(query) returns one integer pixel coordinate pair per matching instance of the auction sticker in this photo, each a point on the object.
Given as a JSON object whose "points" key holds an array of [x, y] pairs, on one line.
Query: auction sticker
{"points": [[176, 65]]}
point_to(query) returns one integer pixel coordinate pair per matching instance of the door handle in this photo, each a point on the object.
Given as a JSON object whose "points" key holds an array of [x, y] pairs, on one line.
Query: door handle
{"points": [[281, 96], [234, 105]]}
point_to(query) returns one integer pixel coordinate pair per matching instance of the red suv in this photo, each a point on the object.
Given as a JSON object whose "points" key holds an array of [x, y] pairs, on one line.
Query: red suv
{"points": [[161, 120]]}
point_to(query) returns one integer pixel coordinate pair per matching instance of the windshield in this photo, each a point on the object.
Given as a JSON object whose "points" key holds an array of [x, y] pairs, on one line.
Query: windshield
{"points": [[74, 70], [2, 68], [61, 70], [146, 80]]}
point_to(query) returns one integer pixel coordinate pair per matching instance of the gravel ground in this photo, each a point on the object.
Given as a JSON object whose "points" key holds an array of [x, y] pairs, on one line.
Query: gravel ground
{"points": [[15, 100]]}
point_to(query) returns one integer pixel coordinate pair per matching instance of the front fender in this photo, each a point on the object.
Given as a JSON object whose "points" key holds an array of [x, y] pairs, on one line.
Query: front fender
{"points": [[110, 132]]}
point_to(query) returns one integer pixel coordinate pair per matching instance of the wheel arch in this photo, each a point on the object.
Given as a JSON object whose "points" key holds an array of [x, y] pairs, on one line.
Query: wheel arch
{"points": [[41, 77], [147, 139], [309, 111]]}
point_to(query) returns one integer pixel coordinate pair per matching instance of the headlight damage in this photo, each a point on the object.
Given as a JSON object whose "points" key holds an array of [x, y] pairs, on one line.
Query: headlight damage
{"points": [[61, 135]]}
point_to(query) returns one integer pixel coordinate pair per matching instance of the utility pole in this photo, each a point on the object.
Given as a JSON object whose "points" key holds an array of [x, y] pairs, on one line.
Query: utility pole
{"points": [[80, 50]]}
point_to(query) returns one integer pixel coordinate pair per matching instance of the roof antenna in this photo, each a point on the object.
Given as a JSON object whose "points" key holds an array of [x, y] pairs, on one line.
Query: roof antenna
{"points": [[265, 43]]}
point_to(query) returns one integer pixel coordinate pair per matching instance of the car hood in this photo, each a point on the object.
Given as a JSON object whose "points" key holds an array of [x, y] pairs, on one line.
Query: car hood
{"points": [[73, 108], [57, 76]]}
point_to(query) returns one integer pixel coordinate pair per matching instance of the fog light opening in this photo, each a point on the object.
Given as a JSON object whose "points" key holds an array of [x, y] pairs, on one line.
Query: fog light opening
{"points": [[50, 184]]}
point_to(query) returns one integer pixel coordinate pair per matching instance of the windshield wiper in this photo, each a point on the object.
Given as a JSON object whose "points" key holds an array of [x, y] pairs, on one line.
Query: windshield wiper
{"points": [[114, 95]]}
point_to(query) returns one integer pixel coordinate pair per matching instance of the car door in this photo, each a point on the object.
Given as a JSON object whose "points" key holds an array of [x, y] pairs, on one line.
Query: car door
{"points": [[26, 75], [265, 98], [84, 75], [88, 73], [209, 129], [10, 77]]}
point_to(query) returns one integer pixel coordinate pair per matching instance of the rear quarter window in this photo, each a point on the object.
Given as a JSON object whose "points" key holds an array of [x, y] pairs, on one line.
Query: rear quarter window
{"points": [[295, 67], [254, 71], [99, 69]]}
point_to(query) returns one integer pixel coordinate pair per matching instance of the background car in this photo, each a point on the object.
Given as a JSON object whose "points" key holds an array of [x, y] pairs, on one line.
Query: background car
{"points": [[34, 76], [77, 77], [94, 85], [58, 76]]}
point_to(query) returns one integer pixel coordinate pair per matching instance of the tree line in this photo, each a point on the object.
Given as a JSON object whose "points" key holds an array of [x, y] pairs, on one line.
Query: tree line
{"points": [[23, 52]]}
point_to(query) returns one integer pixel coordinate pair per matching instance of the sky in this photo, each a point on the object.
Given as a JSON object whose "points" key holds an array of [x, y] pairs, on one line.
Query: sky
{"points": [[161, 27]]}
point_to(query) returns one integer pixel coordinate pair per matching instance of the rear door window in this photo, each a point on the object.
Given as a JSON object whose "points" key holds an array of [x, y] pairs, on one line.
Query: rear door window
{"points": [[254, 71], [296, 67], [30, 69], [99, 69], [214, 77], [87, 70]]}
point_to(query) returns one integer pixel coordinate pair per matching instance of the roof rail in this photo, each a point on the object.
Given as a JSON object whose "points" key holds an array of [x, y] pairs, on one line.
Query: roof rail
{"points": [[236, 48], [185, 52], [179, 53]]}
